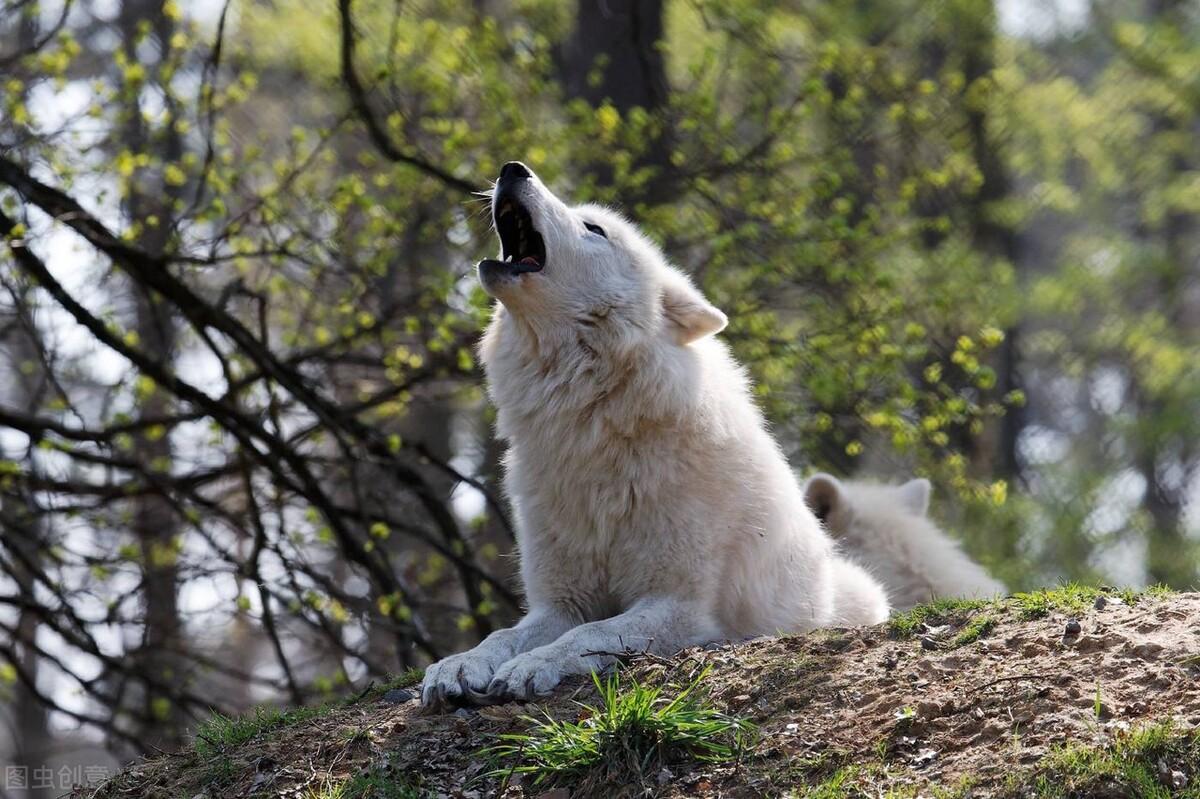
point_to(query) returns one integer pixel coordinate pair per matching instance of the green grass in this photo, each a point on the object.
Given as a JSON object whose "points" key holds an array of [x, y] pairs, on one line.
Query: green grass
{"points": [[972, 631], [1067, 598], [377, 783], [911, 622], [327, 790], [1076, 598], [628, 736], [217, 770], [405, 679], [1127, 767], [838, 786], [869, 781], [219, 733]]}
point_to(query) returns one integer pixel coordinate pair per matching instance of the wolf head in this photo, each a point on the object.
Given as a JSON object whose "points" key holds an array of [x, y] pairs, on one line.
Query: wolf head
{"points": [[585, 267], [845, 506]]}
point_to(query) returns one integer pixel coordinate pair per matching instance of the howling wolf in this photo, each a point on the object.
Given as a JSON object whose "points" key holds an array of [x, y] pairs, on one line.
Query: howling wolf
{"points": [[653, 510]]}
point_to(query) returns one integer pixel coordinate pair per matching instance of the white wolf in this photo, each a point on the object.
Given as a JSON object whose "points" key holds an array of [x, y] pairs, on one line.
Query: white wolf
{"points": [[653, 510], [886, 529]]}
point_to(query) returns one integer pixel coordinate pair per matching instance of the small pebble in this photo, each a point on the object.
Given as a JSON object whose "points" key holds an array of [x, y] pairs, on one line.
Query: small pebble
{"points": [[1172, 778], [1073, 627], [1100, 603], [928, 643], [398, 696], [924, 758]]}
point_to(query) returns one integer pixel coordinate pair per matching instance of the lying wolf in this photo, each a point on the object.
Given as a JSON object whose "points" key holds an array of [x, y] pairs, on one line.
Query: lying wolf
{"points": [[653, 510], [887, 529]]}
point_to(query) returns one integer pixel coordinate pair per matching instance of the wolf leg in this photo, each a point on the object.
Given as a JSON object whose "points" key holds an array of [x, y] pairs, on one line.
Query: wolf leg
{"points": [[658, 625], [467, 674]]}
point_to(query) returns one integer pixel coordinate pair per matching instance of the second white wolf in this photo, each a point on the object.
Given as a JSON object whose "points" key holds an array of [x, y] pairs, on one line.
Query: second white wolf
{"points": [[887, 529], [653, 510]]}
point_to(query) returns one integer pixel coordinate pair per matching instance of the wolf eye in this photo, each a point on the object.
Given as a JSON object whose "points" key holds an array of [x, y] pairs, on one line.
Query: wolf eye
{"points": [[599, 231]]}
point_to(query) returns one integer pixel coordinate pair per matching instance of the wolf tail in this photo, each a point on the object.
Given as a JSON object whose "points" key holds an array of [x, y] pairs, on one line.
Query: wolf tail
{"points": [[858, 598]]}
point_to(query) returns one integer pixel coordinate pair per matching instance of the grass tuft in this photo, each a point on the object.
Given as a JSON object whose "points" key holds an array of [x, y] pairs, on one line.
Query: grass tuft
{"points": [[1138, 763], [1067, 598], [328, 789], [630, 735], [218, 770], [975, 629], [837, 786], [406, 679], [911, 622], [877, 781], [1076, 598], [378, 783], [219, 733]]}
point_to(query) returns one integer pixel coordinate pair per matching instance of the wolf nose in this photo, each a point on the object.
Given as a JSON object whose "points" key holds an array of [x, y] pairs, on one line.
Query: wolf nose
{"points": [[514, 170]]}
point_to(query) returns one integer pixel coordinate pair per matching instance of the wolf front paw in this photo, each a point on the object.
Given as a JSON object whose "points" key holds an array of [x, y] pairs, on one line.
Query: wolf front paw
{"points": [[525, 677], [458, 679]]}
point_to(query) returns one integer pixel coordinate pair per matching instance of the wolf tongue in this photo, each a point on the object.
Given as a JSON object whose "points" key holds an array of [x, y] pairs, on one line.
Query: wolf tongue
{"points": [[529, 259]]}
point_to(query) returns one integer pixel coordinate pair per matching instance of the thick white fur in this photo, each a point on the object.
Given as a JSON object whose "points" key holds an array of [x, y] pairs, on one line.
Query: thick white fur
{"points": [[653, 510], [886, 529]]}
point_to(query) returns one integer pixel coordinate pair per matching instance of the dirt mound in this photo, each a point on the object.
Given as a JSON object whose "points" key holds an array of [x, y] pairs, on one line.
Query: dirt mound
{"points": [[1072, 692]]}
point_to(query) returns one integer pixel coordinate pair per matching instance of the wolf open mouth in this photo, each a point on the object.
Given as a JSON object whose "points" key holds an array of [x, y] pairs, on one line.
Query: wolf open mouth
{"points": [[521, 247]]}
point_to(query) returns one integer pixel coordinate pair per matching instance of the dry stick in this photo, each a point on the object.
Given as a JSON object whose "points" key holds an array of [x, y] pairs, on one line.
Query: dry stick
{"points": [[1012, 678]]}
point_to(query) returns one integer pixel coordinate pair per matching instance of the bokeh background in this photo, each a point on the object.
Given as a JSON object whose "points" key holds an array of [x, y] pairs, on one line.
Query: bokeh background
{"points": [[246, 454]]}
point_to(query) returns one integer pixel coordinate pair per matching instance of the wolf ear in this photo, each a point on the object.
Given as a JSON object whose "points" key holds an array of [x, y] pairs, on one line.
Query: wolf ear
{"points": [[823, 495], [689, 315], [915, 495]]}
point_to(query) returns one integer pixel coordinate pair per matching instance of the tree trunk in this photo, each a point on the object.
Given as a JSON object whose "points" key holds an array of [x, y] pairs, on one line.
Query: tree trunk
{"points": [[994, 451], [31, 718], [613, 55], [155, 525], [1168, 556]]}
